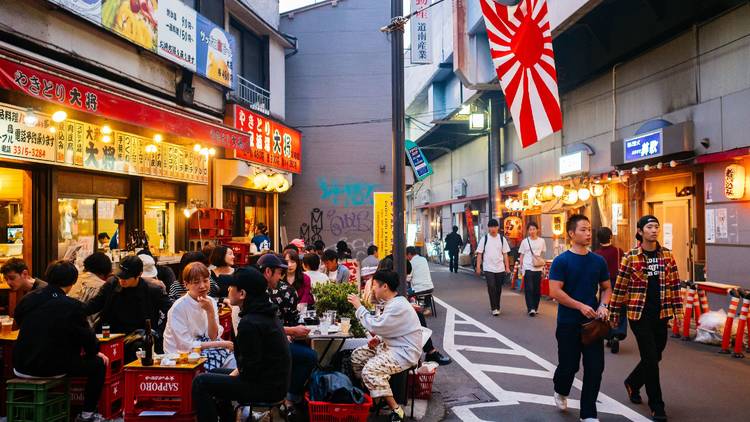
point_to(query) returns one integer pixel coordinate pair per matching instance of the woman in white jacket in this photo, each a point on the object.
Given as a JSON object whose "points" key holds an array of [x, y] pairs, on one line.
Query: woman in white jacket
{"points": [[397, 344], [195, 318]]}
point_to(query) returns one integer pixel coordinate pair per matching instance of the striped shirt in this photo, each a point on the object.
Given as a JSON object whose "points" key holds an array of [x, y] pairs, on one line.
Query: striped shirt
{"points": [[632, 284]]}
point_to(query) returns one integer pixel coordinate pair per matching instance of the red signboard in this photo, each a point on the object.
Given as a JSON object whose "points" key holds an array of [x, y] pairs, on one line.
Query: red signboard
{"points": [[57, 87], [271, 143]]}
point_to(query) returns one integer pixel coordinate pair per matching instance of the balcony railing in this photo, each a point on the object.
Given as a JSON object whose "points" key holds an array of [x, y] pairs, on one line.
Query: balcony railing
{"points": [[253, 96]]}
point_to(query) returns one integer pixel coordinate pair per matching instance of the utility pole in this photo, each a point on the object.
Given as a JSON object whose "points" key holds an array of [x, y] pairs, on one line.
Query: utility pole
{"points": [[399, 158]]}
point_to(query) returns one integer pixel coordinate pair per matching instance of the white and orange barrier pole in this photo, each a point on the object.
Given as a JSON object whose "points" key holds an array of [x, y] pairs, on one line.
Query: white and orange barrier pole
{"points": [[741, 328], [726, 338], [703, 296], [676, 322], [689, 299], [697, 305]]}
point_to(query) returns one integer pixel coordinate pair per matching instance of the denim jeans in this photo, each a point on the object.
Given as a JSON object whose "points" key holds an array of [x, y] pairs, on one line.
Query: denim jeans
{"points": [[213, 393], [304, 361], [453, 260], [93, 369], [569, 351]]}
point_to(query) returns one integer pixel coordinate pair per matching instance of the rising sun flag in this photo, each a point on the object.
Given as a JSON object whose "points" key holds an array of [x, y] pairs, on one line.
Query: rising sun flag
{"points": [[521, 48]]}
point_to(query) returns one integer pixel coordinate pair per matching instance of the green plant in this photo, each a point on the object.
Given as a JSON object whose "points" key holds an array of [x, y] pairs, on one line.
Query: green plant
{"points": [[333, 297]]}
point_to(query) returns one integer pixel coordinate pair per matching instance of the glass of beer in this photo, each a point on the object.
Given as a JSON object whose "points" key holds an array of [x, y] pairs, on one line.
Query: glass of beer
{"points": [[197, 347], [7, 325], [345, 324]]}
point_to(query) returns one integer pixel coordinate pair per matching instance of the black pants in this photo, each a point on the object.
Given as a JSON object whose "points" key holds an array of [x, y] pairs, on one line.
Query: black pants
{"points": [[453, 261], [494, 288], [93, 369], [214, 392], [532, 282], [569, 351], [423, 322], [651, 336]]}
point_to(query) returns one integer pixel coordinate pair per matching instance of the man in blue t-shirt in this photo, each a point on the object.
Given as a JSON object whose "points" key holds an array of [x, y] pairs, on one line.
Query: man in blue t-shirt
{"points": [[575, 278]]}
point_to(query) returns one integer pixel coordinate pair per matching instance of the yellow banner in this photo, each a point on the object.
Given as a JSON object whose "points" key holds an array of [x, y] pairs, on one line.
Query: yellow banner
{"points": [[383, 222]]}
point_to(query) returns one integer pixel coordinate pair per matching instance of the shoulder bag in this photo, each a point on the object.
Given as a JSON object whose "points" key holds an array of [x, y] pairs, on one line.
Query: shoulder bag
{"points": [[536, 260]]}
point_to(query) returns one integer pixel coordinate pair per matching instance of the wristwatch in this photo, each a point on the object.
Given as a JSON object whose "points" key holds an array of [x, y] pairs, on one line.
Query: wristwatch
{"points": [[604, 305]]}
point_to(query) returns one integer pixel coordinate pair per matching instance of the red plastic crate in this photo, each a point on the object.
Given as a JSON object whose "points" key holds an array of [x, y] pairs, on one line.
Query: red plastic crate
{"points": [[336, 412], [225, 320], [111, 402], [175, 418], [115, 351], [423, 389], [159, 388]]}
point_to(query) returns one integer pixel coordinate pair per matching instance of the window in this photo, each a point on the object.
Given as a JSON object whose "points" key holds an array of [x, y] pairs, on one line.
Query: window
{"points": [[12, 206], [81, 221], [213, 10], [250, 55]]}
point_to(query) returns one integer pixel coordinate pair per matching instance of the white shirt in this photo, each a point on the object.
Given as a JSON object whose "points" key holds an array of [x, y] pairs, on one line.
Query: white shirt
{"points": [[398, 326], [186, 321], [538, 248], [421, 279], [493, 260], [316, 277]]}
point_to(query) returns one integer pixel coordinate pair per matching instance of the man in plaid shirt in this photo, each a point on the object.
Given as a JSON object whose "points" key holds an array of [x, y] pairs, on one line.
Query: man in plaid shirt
{"points": [[648, 285]]}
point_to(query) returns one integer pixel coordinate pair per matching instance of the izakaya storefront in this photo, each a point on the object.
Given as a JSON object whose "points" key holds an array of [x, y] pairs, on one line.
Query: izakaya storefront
{"points": [[79, 157]]}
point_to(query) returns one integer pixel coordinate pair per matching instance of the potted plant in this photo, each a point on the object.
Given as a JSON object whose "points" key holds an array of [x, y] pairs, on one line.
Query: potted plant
{"points": [[333, 297]]}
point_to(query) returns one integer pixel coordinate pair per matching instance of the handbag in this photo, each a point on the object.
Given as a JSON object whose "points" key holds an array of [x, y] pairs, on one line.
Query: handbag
{"points": [[594, 330], [334, 387], [536, 260]]}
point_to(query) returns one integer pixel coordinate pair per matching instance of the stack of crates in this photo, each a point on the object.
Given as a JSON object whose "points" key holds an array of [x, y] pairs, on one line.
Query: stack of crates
{"points": [[111, 401], [38, 400], [210, 225]]}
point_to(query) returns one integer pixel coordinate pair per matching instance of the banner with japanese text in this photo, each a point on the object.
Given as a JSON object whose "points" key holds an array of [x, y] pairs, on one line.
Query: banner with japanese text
{"points": [[78, 144], [383, 222], [167, 27], [271, 143], [421, 51]]}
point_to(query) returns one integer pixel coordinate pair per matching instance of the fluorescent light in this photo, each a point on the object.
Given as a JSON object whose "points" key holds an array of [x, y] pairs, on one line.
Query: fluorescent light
{"points": [[476, 121]]}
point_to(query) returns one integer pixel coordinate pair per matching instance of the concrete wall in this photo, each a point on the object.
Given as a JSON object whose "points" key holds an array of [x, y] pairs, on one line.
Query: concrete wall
{"points": [[277, 79], [341, 75], [268, 10]]}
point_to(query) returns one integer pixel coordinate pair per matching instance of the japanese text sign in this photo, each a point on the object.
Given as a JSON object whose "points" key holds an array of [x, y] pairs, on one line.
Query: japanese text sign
{"points": [[643, 147], [419, 163], [421, 53], [383, 222], [271, 143]]}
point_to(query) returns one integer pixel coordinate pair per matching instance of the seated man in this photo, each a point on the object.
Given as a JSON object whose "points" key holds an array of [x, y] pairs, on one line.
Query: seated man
{"points": [[337, 273], [260, 348], [97, 268], [53, 331], [17, 276], [421, 279], [126, 301], [397, 344]]}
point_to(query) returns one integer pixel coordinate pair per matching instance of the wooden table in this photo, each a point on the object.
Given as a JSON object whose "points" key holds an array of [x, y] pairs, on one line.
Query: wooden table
{"points": [[160, 392]]}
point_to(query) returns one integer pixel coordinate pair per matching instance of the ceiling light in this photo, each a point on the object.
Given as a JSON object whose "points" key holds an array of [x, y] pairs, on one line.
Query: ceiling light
{"points": [[158, 138], [59, 116], [558, 191], [30, 119], [673, 164], [106, 130], [646, 167], [634, 170]]}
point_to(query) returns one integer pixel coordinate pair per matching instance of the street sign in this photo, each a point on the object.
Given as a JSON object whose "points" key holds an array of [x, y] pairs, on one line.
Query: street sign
{"points": [[419, 163], [644, 146]]}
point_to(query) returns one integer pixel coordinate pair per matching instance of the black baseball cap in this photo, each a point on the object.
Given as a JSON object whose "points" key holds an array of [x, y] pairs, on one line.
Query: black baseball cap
{"points": [[130, 266], [250, 280], [642, 222], [271, 260]]}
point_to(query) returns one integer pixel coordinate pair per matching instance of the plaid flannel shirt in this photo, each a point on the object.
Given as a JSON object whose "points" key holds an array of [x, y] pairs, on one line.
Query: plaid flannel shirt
{"points": [[632, 283]]}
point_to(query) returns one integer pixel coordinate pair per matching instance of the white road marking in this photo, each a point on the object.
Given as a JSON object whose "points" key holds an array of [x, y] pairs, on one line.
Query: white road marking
{"points": [[479, 372]]}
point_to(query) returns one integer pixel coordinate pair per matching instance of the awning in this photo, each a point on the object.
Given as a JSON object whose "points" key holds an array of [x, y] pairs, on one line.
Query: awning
{"points": [[719, 157], [63, 86], [454, 201]]}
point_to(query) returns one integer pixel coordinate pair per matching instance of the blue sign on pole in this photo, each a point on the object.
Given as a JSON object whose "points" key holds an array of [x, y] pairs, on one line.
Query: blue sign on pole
{"points": [[419, 163], [643, 147]]}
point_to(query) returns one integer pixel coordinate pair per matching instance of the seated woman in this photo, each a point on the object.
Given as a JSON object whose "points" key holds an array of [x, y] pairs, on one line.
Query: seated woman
{"points": [[296, 278], [222, 263], [397, 344], [195, 317]]}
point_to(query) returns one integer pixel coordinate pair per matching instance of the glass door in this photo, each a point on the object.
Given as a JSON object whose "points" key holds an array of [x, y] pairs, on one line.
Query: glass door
{"points": [[158, 222]]}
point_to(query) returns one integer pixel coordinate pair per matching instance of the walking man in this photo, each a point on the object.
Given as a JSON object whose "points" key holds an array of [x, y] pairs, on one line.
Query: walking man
{"points": [[531, 253], [453, 244], [492, 258], [648, 270], [575, 278]]}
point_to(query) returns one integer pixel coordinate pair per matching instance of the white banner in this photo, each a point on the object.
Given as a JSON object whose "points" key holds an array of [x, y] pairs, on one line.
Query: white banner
{"points": [[177, 25], [421, 51]]}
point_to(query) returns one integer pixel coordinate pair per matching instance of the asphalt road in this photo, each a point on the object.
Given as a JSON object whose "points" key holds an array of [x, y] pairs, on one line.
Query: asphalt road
{"points": [[503, 366]]}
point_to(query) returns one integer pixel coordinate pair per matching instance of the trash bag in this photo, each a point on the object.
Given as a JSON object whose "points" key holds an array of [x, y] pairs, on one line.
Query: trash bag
{"points": [[334, 387], [711, 327]]}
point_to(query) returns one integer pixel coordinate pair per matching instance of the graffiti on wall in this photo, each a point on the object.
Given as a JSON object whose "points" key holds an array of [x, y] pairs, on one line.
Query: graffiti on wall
{"points": [[333, 224], [312, 231], [341, 222], [352, 194]]}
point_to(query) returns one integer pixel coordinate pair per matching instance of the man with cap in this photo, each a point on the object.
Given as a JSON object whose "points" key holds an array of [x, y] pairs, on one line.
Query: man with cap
{"points": [[260, 348], [126, 301], [492, 258], [648, 286], [304, 359]]}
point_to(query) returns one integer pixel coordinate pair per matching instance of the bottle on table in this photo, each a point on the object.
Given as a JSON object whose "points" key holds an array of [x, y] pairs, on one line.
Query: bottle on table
{"points": [[148, 345]]}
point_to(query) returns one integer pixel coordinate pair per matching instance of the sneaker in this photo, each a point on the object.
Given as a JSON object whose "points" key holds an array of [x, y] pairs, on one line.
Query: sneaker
{"points": [[438, 358], [659, 416], [561, 401], [633, 394], [95, 417], [532, 313], [496, 312], [397, 415]]}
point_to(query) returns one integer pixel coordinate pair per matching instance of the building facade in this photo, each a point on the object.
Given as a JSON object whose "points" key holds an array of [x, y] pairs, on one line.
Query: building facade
{"points": [[114, 128], [338, 93], [675, 81]]}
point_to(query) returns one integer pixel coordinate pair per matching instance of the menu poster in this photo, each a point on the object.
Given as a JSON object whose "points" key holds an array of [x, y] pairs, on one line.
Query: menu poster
{"points": [[89, 9], [132, 20], [710, 226], [177, 33], [21, 141], [214, 52]]}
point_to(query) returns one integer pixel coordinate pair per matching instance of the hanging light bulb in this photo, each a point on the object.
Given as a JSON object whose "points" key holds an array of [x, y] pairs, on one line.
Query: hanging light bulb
{"points": [[558, 191], [59, 116], [659, 165], [197, 147], [646, 167], [584, 194], [158, 138], [204, 151], [106, 130], [260, 181], [30, 119], [634, 170], [673, 164]]}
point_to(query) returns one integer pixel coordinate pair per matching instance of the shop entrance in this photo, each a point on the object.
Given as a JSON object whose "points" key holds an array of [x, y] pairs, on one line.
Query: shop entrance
{"points": [[674, 217], [13, 203]]}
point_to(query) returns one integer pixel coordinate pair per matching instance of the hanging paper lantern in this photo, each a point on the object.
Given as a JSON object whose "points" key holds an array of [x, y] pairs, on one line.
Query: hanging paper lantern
{"points": [[734, 181], [584, 194], [597, 190], [547, 193], [570, 197], [558, 191], [513, 227]]}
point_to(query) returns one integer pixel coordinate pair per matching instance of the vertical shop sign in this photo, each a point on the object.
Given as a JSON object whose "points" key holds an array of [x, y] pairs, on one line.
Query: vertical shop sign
{"points": [[383, 221], [421, 53], [418, 161], [271, 143], [470, 228], [617, 216]]}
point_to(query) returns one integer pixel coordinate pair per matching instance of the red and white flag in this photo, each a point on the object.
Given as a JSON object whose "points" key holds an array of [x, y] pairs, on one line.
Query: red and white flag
{"points": [[521, 48]]}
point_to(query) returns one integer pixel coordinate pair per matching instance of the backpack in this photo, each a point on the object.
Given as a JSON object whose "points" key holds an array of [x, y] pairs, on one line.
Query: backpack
{"points": [[334, 387]]}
